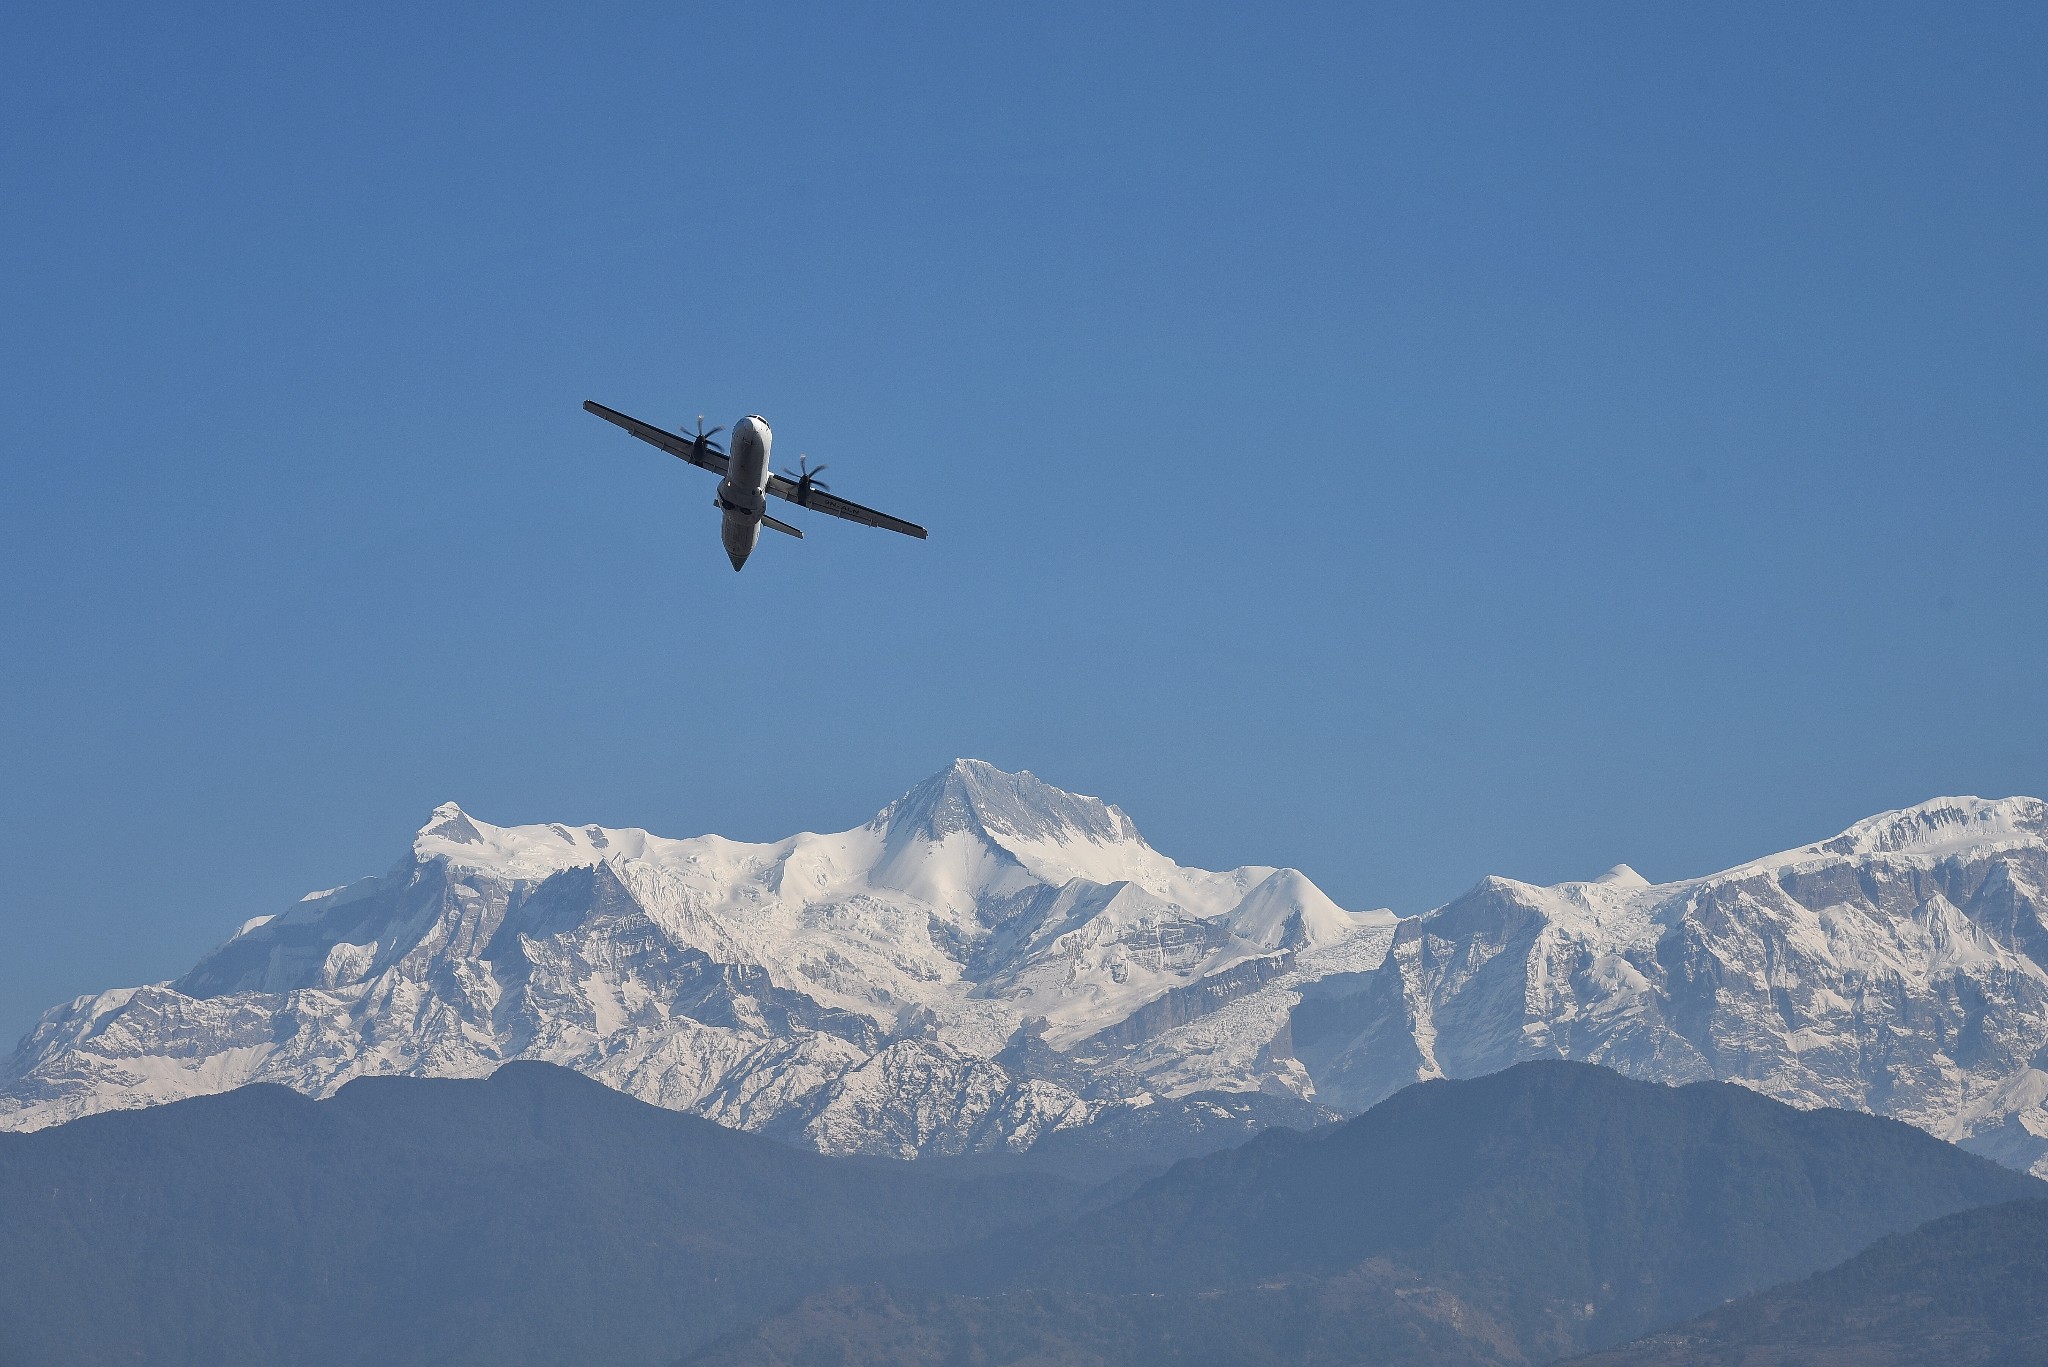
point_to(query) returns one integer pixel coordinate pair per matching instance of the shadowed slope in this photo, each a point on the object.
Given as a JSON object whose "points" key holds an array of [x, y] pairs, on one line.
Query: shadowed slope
{"points": [[536, 1217], [1518, 1217], [1968, 1289]]}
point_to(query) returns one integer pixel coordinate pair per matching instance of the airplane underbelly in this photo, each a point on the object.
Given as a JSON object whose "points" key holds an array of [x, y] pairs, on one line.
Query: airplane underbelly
{"points": [[748, 473], [743, 493], [740, 534], [745, 486]]}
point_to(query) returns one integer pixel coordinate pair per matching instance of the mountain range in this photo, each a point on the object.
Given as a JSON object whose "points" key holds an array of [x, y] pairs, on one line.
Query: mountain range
{"points": [[538, 1217], [1508, 1219], [533, 1217], [986, 962], [993, 964]]}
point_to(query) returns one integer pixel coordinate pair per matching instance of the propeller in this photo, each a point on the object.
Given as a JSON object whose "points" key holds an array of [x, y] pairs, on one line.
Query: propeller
{"points": [[806, 478], [702, 437]]}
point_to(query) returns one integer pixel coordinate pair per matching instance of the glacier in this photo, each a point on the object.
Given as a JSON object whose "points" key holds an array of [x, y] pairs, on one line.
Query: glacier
{"points": [[991, 961]]}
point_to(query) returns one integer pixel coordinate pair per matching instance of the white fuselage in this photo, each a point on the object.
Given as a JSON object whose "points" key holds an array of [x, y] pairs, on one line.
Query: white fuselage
{"points": [[743, 493]]}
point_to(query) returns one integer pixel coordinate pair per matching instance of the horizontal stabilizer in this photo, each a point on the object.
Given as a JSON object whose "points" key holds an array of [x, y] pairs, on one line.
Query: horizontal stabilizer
{"points": [[768, 521]]}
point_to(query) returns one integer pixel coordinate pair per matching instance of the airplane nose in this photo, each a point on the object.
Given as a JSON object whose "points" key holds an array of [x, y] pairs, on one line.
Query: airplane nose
{"points": [[738, 558]]}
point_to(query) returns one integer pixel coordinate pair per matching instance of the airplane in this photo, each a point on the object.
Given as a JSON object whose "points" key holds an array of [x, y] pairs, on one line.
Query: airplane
{"points": [[747, 480]]}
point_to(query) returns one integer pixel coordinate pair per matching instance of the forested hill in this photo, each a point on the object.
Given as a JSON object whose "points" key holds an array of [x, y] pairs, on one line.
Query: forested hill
{"points": [[1519, 1217]]}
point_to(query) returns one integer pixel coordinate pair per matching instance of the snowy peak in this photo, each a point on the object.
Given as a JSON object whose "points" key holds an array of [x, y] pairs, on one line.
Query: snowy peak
{"points": [[1010, 818], [1937, 829], [453, 836], [1618, 901], [971, 808], [1287, 911], [973, 796], [1622, 876], [450, 823], [1613, 908]]}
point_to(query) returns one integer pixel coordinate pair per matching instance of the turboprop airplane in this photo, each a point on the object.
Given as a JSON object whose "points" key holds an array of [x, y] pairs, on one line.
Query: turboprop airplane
{"points": [[743, 492]]}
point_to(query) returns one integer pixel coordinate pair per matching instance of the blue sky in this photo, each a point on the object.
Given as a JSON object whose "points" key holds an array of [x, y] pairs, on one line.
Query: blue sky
{"points": [[1407, 443]]}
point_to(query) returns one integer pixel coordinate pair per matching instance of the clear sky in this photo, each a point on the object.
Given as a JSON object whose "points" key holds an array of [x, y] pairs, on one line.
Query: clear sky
{"points": [[1404, 442]]}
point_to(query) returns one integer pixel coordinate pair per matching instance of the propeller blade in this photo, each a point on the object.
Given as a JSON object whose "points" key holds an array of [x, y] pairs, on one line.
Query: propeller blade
{"points": [[805, 474]]}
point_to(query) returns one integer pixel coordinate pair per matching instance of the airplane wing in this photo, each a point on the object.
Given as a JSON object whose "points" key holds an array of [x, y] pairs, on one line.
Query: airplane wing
{"points": [[823, 502], [704, 455]]}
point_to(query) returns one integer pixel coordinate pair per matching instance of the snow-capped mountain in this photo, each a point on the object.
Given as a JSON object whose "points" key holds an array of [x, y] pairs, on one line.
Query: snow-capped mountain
{"points": [[928, 982], [1897, 968], [991, 960]]}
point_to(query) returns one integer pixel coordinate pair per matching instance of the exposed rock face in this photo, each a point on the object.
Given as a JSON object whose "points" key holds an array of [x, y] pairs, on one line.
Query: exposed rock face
{"points": [[1897, 968], [916, 985]]}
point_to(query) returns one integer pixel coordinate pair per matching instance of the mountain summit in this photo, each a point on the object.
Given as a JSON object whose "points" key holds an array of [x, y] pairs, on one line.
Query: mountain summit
{"points": [[975, 797], [990, 961], [973, 968]]}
